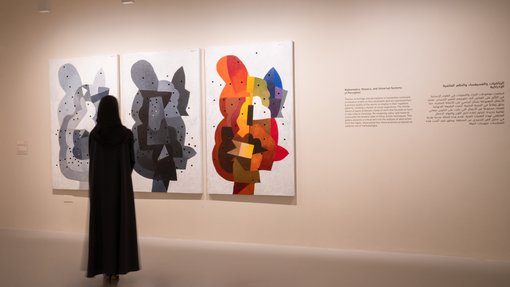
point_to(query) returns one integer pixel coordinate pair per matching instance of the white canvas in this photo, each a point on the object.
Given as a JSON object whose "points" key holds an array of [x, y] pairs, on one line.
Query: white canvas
{"points": [[76, 86], [161, 104], [252, 176]]}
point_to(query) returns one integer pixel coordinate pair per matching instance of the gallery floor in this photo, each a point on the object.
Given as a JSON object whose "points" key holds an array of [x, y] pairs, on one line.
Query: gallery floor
{"points": [[30, 258]]}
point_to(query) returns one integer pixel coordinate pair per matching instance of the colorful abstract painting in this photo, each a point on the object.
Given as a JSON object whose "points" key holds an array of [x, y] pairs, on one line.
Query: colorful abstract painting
{"points": [[77, 86], [161, 103], [250, 131]]}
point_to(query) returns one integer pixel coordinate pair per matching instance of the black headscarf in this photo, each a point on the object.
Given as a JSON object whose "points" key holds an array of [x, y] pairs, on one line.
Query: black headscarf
{"points": [[109, 129], [108, 112]]}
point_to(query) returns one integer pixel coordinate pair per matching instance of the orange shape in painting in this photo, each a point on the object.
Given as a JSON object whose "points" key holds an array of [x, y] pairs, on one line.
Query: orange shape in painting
{"points": [[256, 160], [244, 188]]}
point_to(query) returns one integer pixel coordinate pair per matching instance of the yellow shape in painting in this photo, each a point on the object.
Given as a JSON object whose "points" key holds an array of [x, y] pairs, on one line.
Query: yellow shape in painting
{"points": [[242, 119], [249, 84], [242, 149]]}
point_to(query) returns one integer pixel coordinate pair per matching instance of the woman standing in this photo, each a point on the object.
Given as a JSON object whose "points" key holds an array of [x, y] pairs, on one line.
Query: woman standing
{"points": [[113, 245]]}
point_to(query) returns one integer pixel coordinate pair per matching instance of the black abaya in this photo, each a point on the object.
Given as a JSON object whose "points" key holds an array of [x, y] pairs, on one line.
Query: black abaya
{"points": [[113, 247]]}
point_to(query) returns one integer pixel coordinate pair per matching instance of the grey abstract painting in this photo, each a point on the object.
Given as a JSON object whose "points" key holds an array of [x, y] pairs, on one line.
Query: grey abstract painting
{"points": [[77, 86], [161, 103]]}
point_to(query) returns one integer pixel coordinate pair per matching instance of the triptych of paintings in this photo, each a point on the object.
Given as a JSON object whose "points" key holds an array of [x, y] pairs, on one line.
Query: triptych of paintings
{"points": [[248, 117]]}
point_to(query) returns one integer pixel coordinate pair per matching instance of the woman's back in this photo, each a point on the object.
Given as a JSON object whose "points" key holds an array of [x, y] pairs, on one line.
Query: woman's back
{"points": [[113, 246]]}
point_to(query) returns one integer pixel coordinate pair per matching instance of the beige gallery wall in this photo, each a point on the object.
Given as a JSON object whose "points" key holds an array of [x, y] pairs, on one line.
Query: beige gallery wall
{"points": [[419, 188]]}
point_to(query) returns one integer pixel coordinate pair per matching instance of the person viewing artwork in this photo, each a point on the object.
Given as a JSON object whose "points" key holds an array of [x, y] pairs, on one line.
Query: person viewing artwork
{"points": [[113, 244]]}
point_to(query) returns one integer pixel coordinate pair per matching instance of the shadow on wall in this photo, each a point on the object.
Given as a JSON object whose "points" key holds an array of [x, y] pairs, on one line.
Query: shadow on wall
{"points": [[283, 200]]}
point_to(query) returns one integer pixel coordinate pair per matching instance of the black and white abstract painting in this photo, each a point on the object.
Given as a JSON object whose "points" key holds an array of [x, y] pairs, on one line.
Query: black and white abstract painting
{"points": [[161, 104], [76, 87]]}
